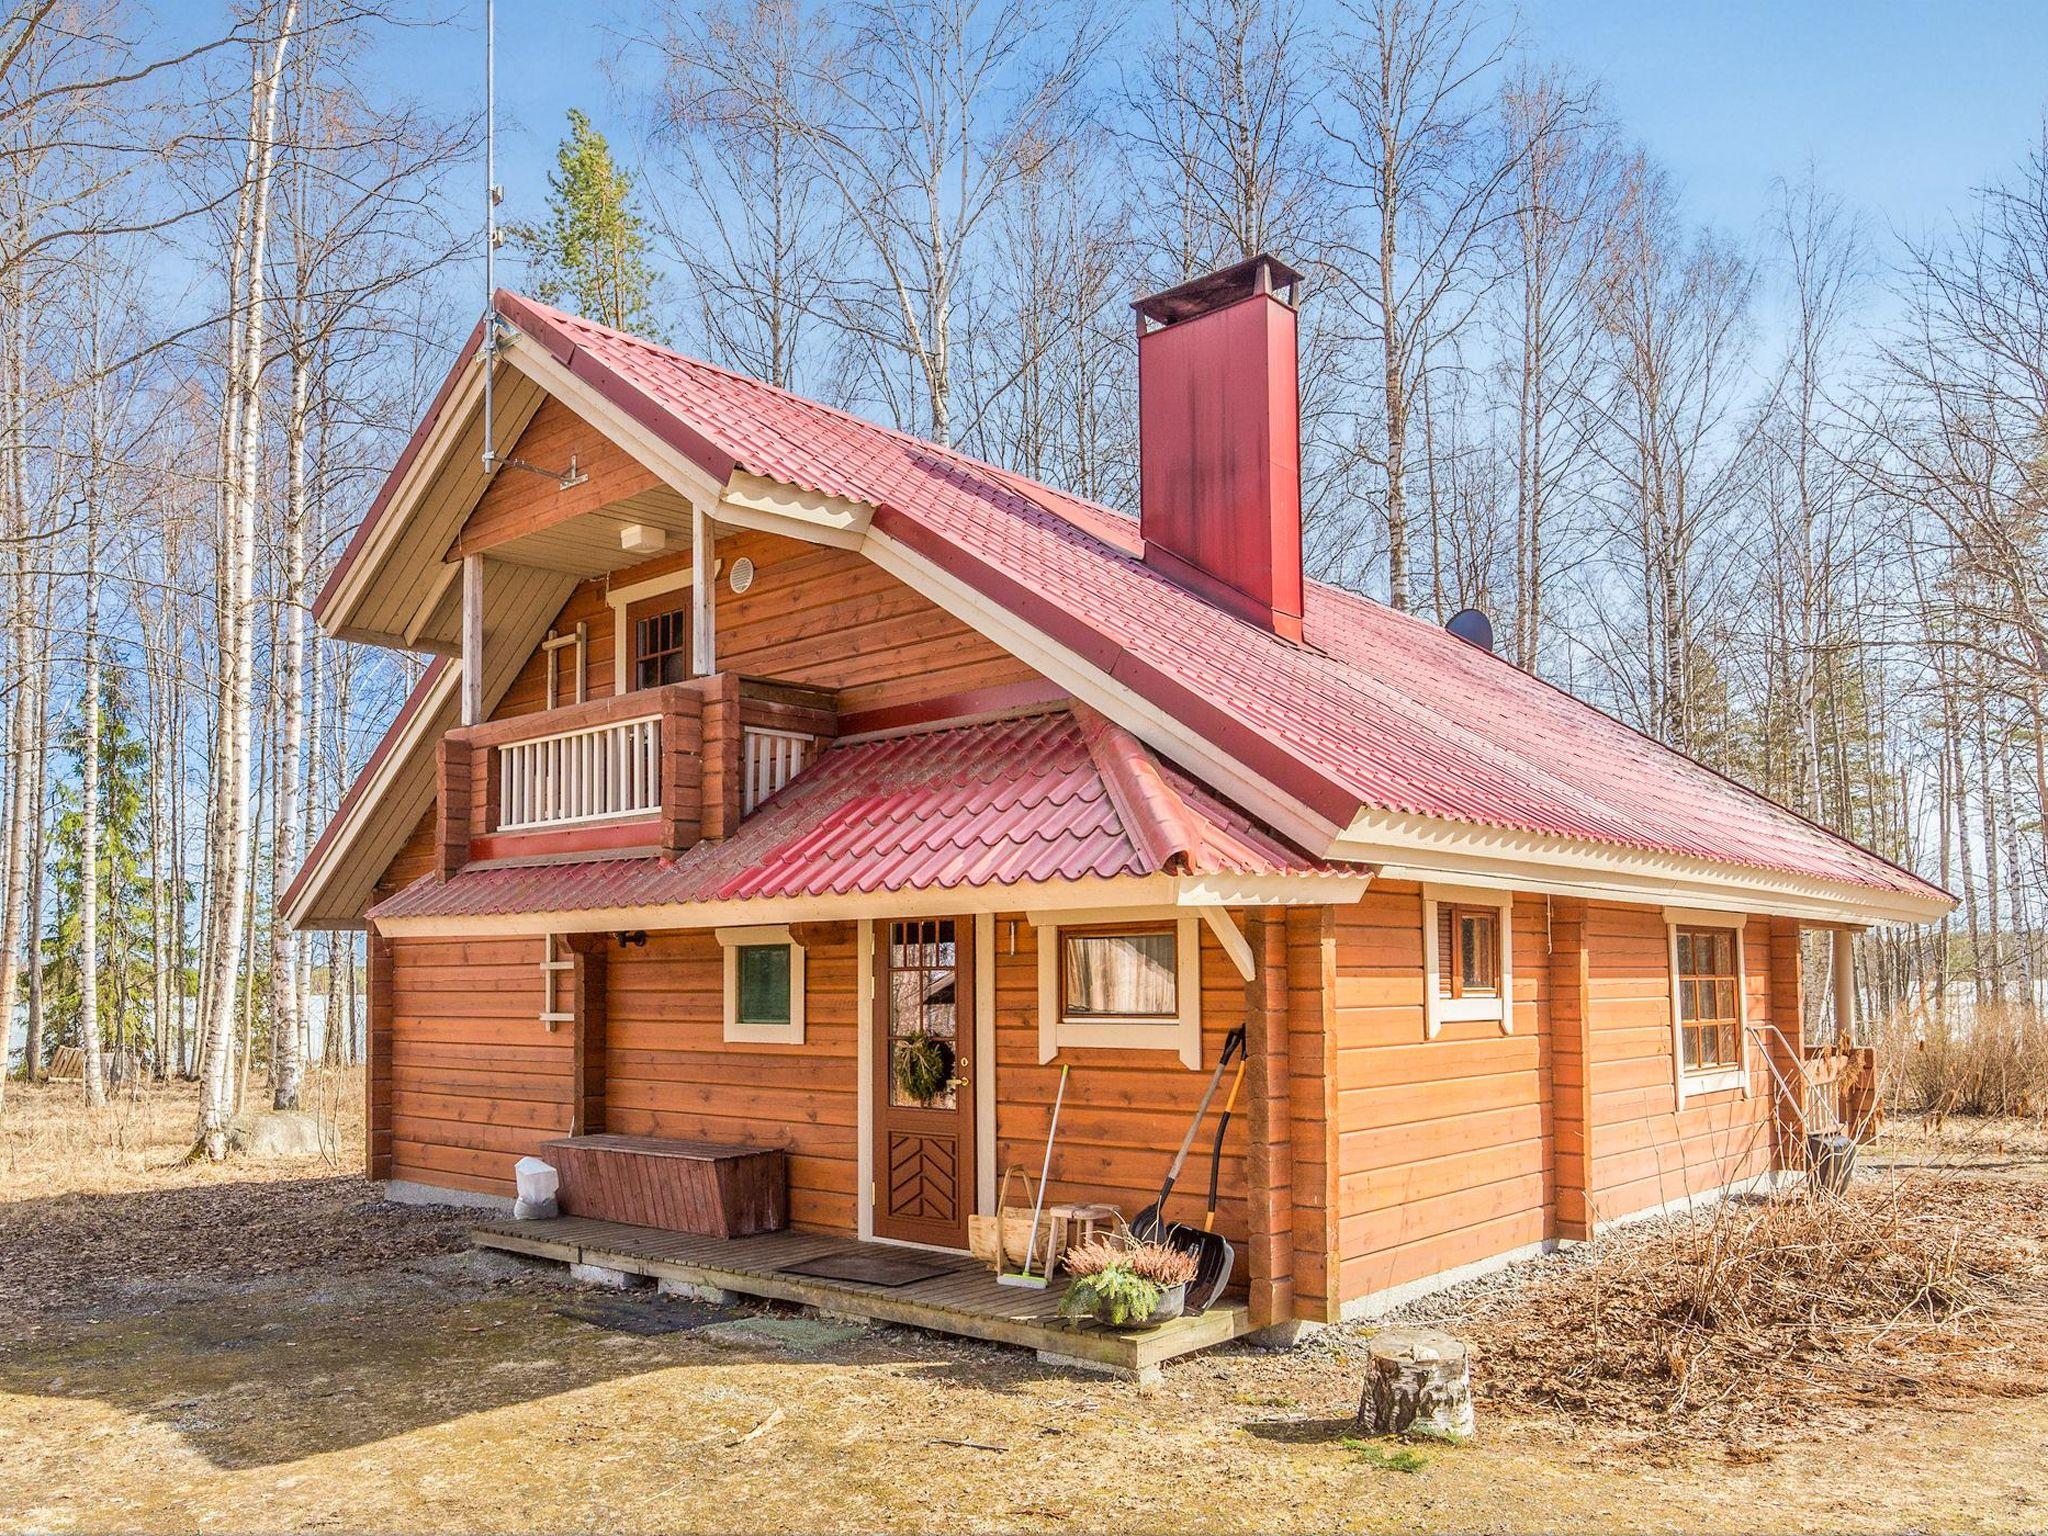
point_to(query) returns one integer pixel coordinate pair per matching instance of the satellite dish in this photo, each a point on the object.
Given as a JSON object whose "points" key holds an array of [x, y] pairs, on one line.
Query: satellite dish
{"points": [[1472, 627]]}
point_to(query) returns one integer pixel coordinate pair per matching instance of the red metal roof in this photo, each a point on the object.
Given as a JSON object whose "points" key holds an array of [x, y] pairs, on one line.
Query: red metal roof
{"points": [[1006, 803], [1375, 710]]}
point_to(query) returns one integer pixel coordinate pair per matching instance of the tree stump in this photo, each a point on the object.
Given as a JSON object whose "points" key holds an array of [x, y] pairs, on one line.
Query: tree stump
{"points": [[1416, 1380]]}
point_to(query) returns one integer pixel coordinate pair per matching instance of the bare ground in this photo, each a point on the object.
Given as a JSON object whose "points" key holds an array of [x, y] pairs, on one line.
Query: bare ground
{"points": [[272, 1348]]}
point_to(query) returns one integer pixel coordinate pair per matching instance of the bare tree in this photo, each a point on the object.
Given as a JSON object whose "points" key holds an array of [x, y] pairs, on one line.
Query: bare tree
{"points": [[241, 468], [1428, 181], [934, 109], [1563, 187], [1672, 305], [746, 207]]}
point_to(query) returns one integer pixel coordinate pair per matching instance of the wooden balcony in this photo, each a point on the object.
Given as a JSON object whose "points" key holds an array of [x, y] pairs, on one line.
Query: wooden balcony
{"points": [[656, 770]]}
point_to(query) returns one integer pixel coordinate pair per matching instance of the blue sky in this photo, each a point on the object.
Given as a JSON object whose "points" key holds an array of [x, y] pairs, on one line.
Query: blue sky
{"points": [[1904, 107]]}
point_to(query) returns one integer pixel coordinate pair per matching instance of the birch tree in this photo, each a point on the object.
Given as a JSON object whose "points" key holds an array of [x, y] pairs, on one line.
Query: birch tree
{"points": [[242, 455]]}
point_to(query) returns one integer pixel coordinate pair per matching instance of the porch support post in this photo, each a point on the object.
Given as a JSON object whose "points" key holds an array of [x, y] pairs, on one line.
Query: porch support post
{"points": [[1845, 986], [589, 961], [1785, 1044], [1312, 1109], [377, 1055], [1269, 1182], [1571, 1076], [703, 593], [472, 639]]}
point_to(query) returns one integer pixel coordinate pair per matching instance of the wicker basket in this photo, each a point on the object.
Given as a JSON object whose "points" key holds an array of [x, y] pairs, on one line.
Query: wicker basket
{"points": [[1003, 1241]]}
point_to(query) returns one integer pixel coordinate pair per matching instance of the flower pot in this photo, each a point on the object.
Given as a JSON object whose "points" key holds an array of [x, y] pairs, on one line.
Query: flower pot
{"points": [[1173, 1301]]}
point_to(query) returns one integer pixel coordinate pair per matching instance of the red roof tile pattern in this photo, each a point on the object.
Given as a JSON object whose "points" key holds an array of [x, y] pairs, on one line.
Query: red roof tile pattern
{"points": [[1376, 710], [1006, 803]]}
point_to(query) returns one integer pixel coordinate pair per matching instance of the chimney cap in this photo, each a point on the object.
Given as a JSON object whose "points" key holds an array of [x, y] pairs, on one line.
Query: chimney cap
{"points": [[1226, 285]]}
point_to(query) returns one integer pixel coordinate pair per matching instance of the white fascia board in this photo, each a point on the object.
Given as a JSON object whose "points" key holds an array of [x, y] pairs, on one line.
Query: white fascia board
{"points": [[1149, 890], [418, 730], [1126, 893], [752, 501], [448, 428], [1426, 850]]}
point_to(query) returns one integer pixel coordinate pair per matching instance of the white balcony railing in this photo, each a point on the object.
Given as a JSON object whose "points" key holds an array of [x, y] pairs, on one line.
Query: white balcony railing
{"points": [[770, 760], [591, 774]]}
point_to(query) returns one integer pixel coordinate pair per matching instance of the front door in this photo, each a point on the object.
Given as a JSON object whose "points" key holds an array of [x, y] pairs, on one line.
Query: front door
{"points": [[924, 1080]]}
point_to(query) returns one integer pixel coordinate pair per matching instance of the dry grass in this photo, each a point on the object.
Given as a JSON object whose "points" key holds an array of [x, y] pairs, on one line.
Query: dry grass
{"points": [[50, 1140], [268, 1346], [1779, 1318], [1996, 1064]]}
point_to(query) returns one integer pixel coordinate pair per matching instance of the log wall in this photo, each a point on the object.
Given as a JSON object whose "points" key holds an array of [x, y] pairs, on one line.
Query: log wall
{"points": [[1443, 1145], [1125, 1110], [669, 1071], [1646, 1151], [476, 1080]]}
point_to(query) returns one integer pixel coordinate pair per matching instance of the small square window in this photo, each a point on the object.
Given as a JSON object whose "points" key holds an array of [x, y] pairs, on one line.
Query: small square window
{"points": [[763, 984], [1467, 970], [1129, 981]]}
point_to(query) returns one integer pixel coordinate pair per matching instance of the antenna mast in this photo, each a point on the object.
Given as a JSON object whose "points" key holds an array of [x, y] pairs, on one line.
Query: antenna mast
{"points": [[492, 196], [493, 461]]}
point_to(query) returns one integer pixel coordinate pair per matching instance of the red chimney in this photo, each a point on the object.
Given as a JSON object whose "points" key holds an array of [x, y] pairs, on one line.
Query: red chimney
{"points": [[1219, 440]]}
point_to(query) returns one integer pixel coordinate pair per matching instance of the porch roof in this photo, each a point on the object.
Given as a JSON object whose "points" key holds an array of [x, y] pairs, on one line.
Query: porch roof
{"points": [[1058, 797]]}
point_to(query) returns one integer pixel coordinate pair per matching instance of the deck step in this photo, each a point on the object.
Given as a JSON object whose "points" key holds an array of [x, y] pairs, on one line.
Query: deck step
{"points": [[966, 1305]]}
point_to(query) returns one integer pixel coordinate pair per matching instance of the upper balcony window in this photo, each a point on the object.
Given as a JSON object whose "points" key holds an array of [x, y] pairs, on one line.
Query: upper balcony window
{"points": [[661, 647]]}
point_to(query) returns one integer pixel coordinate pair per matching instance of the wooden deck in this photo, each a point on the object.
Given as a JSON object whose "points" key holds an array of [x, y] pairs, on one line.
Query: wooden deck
{"points": [[968, 1304]]}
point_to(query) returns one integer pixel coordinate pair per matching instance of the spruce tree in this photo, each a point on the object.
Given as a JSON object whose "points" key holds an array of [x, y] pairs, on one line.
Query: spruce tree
{"points": [[126, 962], [590, 256]]}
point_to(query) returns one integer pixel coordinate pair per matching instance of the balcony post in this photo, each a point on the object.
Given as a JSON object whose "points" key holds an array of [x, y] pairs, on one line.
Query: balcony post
{"points": [[703, 593], [472, 639]]}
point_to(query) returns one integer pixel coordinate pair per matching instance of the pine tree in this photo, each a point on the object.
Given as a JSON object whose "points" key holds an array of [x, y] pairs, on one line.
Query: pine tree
{"points": [[591, 254]]}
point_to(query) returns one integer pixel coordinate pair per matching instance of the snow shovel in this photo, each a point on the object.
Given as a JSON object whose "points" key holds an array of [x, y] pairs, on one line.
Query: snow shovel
{"points": [[1212, 1255], [1213, 1265]]}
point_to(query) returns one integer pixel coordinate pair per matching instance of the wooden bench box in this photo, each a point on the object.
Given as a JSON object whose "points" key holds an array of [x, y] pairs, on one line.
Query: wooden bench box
{"points": [[702, 1187]]}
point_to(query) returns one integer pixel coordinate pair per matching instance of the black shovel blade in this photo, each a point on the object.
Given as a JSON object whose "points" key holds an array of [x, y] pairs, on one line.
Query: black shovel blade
{"points": [[1148, 1226]]}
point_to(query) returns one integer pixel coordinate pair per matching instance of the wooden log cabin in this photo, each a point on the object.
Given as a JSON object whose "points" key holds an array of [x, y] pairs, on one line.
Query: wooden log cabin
{"points": [[763, 744]]}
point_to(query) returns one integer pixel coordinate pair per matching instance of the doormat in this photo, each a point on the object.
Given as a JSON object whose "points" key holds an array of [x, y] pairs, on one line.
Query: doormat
{"points": [[869, 1267], [646, 1316]]}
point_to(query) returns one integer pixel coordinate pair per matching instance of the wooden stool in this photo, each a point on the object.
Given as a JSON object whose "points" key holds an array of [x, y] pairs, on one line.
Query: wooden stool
{"points": [[1079, 1223]]}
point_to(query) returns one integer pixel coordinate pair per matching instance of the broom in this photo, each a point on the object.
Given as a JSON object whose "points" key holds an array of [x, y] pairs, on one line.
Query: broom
{"points": [[1038, 1282]]}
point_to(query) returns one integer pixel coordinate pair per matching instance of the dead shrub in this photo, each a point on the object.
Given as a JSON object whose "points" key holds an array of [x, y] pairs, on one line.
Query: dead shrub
{"points": [[1760, 1318], [1994, 1062]]}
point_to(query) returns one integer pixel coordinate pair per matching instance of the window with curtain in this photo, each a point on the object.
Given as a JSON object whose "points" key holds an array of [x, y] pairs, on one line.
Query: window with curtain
{"points": [[1709, 1010], [1120, 974]]}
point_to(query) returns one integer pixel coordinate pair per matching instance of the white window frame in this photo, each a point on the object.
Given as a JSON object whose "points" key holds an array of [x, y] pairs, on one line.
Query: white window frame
{"points": [[1439, 1009], [1687, 1083], [732, 941], [1181, 1034]]}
